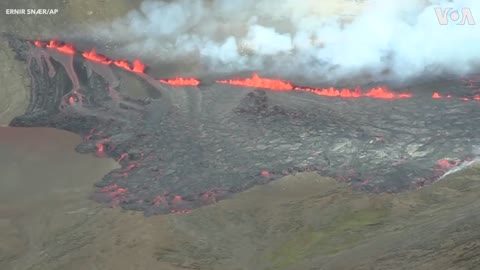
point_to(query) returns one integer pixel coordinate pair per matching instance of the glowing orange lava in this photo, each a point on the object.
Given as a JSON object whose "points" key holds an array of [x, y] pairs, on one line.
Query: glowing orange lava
{"points": [[52, 44], [381, 92], [100, 148], [438, 96], [56, 45], [332, 92], [258, 82], [122, 157], [136, 67], [38, 43], [276, 84], [177, 199], [181, 81], [122, 63], [67, 49], [93, 56]]}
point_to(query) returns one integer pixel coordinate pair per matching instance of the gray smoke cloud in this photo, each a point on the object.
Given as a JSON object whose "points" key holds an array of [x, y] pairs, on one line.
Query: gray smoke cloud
{"points": [[316, 39]]}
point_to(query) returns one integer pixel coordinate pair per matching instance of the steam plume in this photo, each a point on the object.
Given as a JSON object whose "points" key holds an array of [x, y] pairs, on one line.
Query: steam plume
{"points": [[312, 39]]}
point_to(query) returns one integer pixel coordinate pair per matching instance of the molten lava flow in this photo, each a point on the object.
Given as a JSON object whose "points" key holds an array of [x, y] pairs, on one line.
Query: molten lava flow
{"points": [[122, 157], [332, 92], [377, 92], [258, 82], [38, 43], [114, 190], [100, 148], [52, 44], [275, 84], [137, 66], [181, 81], [93, 56], [255, 81], [67, 49], [383, 93], [122, 64], [438, 96], [56, 45]]}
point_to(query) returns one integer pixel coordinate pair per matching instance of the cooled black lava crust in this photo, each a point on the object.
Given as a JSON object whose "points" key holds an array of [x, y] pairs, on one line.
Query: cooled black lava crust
{"points": [[187, 147]]}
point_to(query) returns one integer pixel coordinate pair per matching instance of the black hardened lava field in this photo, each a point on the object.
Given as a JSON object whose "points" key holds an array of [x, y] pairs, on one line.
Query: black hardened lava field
{"points": [[191, 145]]}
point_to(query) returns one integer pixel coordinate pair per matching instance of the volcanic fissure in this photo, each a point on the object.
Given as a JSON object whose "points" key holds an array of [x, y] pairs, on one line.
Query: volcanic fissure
{"points": [[196, 142]]}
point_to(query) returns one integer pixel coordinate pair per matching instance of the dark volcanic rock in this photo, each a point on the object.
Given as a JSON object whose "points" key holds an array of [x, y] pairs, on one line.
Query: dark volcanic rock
{"points": [[192, 146]]}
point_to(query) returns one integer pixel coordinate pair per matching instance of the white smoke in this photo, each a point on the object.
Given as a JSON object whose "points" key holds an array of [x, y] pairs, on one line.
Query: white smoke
{"points": [[308, 38]]}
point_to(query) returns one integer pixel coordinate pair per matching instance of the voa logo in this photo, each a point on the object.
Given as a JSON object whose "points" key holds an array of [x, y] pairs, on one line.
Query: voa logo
{"points": [[461, 16]]}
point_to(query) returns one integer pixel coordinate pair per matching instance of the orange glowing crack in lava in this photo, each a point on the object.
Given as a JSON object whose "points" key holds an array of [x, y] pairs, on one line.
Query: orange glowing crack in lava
{"points": [[181, 81], [438, 96], [381, 92], [258, 82]]}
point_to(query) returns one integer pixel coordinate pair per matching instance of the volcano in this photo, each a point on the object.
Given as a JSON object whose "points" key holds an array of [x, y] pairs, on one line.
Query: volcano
{"points": [[193, 143]]}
